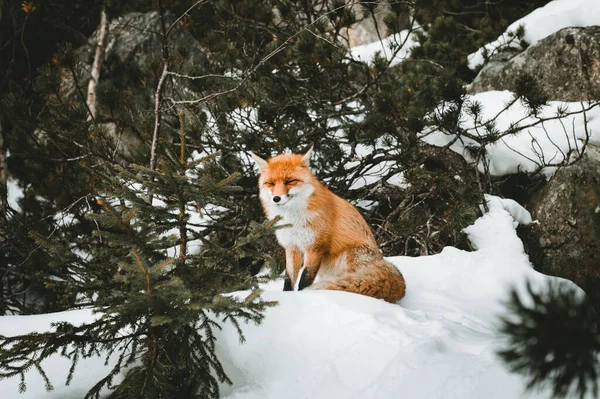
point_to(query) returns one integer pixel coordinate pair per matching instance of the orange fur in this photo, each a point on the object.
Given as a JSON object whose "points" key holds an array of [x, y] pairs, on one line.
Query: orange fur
{"points": [[328, 236]]}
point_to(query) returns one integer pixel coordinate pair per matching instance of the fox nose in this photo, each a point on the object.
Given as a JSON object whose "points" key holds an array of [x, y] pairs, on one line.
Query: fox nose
{"points": [[276, 199]]}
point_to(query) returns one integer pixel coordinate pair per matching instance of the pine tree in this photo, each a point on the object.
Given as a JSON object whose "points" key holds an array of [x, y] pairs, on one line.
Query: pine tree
{"points": [[159, 315], [158, 318]]}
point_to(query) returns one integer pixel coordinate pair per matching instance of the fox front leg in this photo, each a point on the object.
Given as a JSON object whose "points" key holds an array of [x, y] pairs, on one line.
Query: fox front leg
{"points": [[293, 262], [312, 263]]}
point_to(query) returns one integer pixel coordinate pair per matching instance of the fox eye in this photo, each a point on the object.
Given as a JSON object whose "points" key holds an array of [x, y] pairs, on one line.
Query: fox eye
{"points": [[269, 183], [291, 181]]}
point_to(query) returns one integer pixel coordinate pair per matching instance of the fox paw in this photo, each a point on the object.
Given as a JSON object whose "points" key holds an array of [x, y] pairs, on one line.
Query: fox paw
{"points": [[287, 284], [305, 280]]}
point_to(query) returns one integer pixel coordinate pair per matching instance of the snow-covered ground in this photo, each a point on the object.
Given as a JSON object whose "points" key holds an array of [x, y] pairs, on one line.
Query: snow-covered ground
{"points": [[438, 342], [544, 21]]}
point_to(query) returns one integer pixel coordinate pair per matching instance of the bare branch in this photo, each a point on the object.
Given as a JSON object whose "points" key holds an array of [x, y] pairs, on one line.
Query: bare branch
{"points": [[183, 76], [266, 58], [183, 15], [159, 87]]}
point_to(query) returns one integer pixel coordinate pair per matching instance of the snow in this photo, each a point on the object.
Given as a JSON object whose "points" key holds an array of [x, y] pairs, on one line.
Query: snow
{"points": [[544, 21], [87, 373], [536, 146], [438, 341], [15, 193], [395, 48]]}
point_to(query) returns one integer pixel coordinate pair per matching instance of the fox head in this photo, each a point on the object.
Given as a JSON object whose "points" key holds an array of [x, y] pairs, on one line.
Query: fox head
{"points": [[285, 180]]}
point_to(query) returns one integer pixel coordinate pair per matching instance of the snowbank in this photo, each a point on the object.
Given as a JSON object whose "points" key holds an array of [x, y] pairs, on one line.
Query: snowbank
{"points": [[544, 21], [546, 143], [88, 371], [438, 341]]}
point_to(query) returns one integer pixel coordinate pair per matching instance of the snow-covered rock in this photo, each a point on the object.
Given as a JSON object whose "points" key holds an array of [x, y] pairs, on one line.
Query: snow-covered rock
{"points": [[566, 65], [371, 27], [538, 145], [544, 21], [566, 240]]}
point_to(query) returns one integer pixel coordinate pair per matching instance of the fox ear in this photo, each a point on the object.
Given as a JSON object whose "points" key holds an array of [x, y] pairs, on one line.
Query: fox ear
{"points": [[306, 157], [261, 163]]}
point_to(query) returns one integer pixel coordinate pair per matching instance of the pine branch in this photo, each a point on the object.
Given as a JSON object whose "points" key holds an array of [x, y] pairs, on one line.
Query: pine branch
{"points": [[554, 339]]}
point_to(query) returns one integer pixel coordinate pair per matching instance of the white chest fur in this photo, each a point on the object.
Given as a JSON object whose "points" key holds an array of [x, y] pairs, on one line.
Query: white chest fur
{"points": [[295, 216], [299, 234]]}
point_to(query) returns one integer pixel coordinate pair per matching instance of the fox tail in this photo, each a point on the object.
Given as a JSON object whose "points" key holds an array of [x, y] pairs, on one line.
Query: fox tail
{"points": [[385, 282]]}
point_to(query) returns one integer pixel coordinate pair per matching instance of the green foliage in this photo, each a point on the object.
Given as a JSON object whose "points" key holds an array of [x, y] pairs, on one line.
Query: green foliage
{"points": [[456, 28], [529, 90], [158, 318], [554, 339], [285, 81]]}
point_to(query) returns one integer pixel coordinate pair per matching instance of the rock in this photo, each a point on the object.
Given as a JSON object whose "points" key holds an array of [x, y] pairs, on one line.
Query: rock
{"points": [[369, 28], [566, 242], [566, 63], [132, 63], [133, 44]]}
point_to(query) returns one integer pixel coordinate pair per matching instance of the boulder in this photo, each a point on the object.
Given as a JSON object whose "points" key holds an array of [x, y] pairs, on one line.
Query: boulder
{"points": [[566, 241], [369, 27], [133, 44], [566, 64], [133, 53]]}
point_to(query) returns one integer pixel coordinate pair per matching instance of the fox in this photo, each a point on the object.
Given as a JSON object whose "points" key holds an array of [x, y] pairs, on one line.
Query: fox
{"points": [[323, 235]]}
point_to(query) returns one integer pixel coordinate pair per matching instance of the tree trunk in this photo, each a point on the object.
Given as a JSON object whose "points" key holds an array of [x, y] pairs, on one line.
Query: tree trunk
{"points": [[3, 176], [97, 66]]}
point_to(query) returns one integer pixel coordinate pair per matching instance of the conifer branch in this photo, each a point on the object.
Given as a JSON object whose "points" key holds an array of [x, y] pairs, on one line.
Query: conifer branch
{"points": [[80, 93], [144, 272], [249, 73]]}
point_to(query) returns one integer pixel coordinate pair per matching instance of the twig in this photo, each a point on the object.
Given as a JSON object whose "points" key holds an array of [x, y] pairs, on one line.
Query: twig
{"points": [[159, 87], [182, 16]]}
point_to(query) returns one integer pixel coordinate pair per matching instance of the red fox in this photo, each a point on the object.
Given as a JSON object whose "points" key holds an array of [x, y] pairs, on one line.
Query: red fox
{"points": [[328, 237]]}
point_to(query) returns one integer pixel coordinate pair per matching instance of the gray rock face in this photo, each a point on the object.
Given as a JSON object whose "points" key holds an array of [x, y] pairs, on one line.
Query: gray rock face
{"points": [[566, 242], [567, 64], [371, 28], [134, 43], [134, 53]]}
